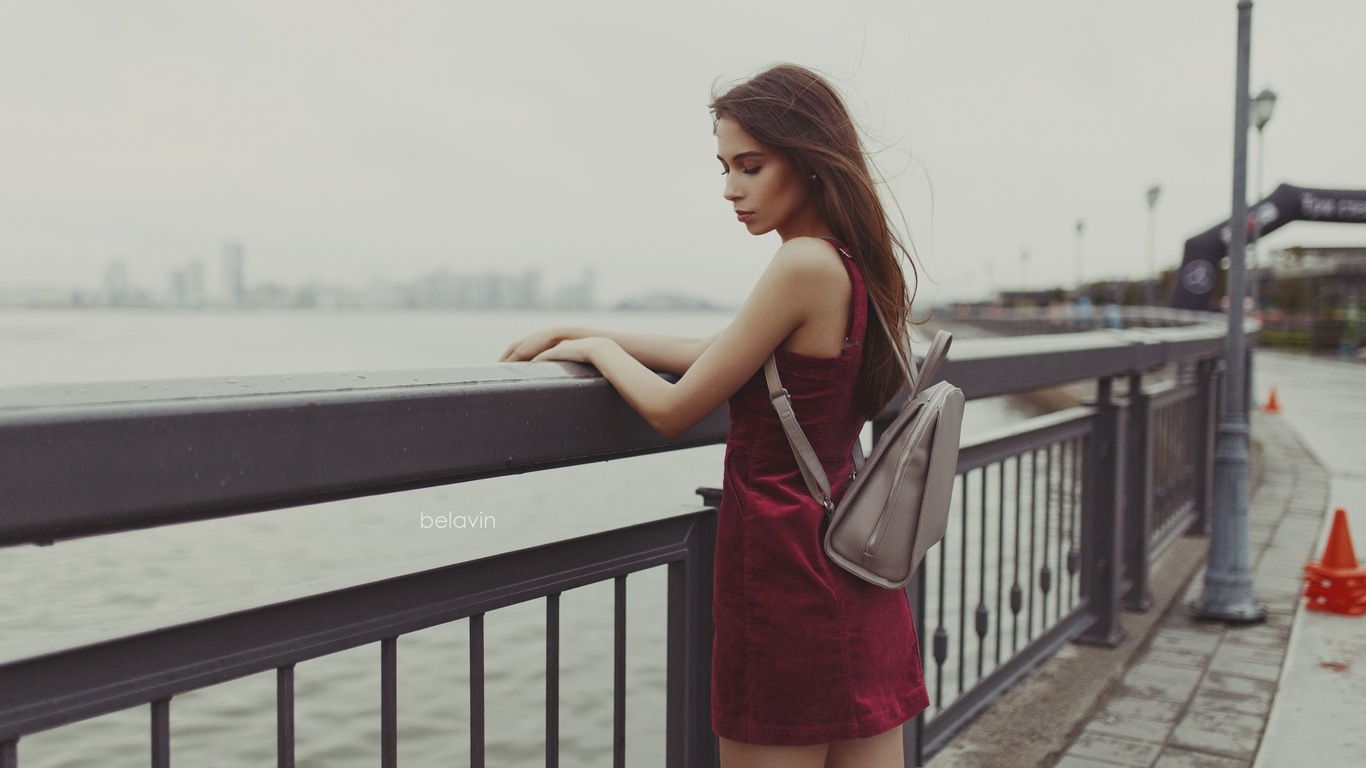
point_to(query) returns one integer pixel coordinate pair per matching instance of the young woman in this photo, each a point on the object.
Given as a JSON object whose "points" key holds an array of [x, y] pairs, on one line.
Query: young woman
{"points": [[811, 666]]}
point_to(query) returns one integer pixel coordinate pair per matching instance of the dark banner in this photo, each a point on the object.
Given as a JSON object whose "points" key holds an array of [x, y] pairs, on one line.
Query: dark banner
{"points": [[1200, 265]]}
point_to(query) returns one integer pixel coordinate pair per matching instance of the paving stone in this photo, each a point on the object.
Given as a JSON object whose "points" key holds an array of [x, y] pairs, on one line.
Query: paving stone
{"points": [[1256, 702], [1231, 734], [1234, 652], [1112, 749], [1173, 757], [1281, 616], [1148, 709], [1259, 636], [1178, 639], [1072, 761], [1237, 685], [1136, 728], [1236, 666], [1281, 586], [1177, 658], [1162, 682]]}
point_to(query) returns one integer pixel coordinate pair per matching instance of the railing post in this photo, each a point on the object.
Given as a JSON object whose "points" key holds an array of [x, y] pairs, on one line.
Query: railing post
{"points": [[689, 740], [1138, 481], [1102, 513]]}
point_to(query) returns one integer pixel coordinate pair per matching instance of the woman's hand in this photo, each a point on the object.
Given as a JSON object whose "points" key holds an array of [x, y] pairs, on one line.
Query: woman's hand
{"points": [[529, 347], [573, 350]]}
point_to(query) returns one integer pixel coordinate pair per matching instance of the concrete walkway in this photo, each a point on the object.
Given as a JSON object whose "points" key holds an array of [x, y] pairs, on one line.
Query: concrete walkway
{"points": [[1288, 692], [1178, 693]]}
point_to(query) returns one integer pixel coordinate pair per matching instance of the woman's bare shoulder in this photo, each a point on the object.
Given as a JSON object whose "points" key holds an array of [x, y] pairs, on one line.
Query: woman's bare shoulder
{"points": [[810, 259]]}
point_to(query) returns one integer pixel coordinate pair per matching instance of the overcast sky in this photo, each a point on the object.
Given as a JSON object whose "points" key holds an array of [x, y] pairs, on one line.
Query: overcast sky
{"points": [[353, 141]]}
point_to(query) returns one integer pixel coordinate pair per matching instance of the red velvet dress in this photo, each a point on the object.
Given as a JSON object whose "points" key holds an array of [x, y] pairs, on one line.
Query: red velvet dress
{"points": [[804, 653]]}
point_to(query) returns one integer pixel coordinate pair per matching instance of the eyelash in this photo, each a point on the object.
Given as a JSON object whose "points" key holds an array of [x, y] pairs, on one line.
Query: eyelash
{"points": [[746, 171]]}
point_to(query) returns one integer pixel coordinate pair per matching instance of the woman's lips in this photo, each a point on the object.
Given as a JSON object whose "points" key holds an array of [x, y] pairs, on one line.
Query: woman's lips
{"points": [[744, 216]]}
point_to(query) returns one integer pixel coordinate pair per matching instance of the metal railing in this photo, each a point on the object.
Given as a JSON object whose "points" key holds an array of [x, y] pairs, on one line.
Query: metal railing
{"points": [[1055, 522]]}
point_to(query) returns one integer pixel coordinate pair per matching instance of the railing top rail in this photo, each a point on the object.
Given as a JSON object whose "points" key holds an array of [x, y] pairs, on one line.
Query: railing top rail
{"points": [[83, 459]]}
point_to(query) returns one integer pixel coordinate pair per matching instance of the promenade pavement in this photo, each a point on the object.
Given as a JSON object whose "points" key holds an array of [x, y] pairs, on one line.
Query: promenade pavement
{"points": [[1287, 692], [1177, 693]]}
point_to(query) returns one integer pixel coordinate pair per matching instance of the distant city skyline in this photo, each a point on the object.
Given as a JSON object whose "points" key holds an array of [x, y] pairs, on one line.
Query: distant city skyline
{"points": [[185, 287]]}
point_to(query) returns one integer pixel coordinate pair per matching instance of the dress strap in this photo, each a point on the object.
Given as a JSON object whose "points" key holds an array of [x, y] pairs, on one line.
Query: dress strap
{"points": [[857, 324]]}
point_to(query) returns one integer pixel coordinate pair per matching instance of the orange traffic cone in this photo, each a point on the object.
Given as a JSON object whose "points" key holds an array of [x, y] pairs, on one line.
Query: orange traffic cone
{"points": [[1271, 405], [1337, 583]]}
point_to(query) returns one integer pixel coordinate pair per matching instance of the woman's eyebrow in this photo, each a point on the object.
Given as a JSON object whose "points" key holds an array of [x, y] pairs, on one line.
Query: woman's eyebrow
{"points": [[742, 156]]}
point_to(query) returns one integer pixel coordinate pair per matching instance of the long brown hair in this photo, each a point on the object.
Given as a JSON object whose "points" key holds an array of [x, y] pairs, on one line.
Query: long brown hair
{"points": [[798, 113]]}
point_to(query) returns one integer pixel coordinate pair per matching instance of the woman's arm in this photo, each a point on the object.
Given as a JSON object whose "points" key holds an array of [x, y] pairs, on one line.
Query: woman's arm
{"points": [[793, 287], [671, 354]]}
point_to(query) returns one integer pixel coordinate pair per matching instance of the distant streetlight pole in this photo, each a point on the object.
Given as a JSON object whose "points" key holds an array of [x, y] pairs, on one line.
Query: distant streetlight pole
{"points": [[1081, 226], [1262, 106], [1227, 595], [1153, 193]]}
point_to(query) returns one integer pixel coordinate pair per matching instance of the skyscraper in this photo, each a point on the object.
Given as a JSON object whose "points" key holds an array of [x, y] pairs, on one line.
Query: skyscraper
{"points": [[234, 274]]}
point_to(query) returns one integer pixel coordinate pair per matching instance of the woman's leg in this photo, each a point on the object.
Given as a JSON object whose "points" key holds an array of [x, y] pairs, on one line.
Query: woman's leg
{"points": [[880, 751], [737, 754]]}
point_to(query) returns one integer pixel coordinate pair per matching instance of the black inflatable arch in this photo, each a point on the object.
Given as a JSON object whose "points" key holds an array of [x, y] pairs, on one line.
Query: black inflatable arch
{"points": [[1194, 288]]}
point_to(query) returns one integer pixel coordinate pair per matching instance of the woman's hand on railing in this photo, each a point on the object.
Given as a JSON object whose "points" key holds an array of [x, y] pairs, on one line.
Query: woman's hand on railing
{"points": [[529, 347]]}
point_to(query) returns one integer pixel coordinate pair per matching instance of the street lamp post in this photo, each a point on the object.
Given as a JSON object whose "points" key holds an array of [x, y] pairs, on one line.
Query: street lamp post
{"points": [[1262, 106], [1227, 595], [1153, 192]]}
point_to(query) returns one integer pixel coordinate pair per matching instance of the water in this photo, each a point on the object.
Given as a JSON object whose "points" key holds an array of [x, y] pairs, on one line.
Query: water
{"points": [[80, 590]]}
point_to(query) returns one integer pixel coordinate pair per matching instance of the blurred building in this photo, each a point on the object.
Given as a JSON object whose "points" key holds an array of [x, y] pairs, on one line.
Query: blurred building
{"points": [[234, 274], [580, 294]]}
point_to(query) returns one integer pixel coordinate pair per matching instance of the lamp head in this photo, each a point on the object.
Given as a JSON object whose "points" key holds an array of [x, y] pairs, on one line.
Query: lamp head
{"points": [[1262, 106]]}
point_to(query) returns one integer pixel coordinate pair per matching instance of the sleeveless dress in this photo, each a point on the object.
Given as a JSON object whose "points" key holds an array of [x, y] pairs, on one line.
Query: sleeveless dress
{"points": [[804, 652]]}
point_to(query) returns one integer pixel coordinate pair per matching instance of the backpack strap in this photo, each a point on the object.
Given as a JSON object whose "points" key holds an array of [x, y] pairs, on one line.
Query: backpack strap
{"points": [[810, 465], [939, 349], [812, 471]]}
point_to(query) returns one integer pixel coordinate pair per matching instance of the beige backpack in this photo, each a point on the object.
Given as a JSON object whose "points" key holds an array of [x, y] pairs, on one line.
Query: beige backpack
{"points": [[897, 504]]}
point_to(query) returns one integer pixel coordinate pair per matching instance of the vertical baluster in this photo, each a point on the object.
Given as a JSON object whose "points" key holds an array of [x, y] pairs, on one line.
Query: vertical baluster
{"points": [[1191, 437], [1015, 595], [1000, 552], [9, 753], [284, 716], [982, 616], [1033, 534], [552, 680], [161, 733], [388, 710], [941, 635], [1073, 555], [963, 590], [477, 691], [1045, 574], [1167, 463], [619, 677], [1064, 510]]}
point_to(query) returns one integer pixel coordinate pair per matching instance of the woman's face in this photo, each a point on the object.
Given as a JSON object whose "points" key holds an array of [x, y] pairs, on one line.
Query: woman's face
{"points": [[768, 192]]}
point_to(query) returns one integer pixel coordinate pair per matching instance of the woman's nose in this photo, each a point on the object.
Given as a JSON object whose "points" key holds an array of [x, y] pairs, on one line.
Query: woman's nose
{"points": [[730, 192]]}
